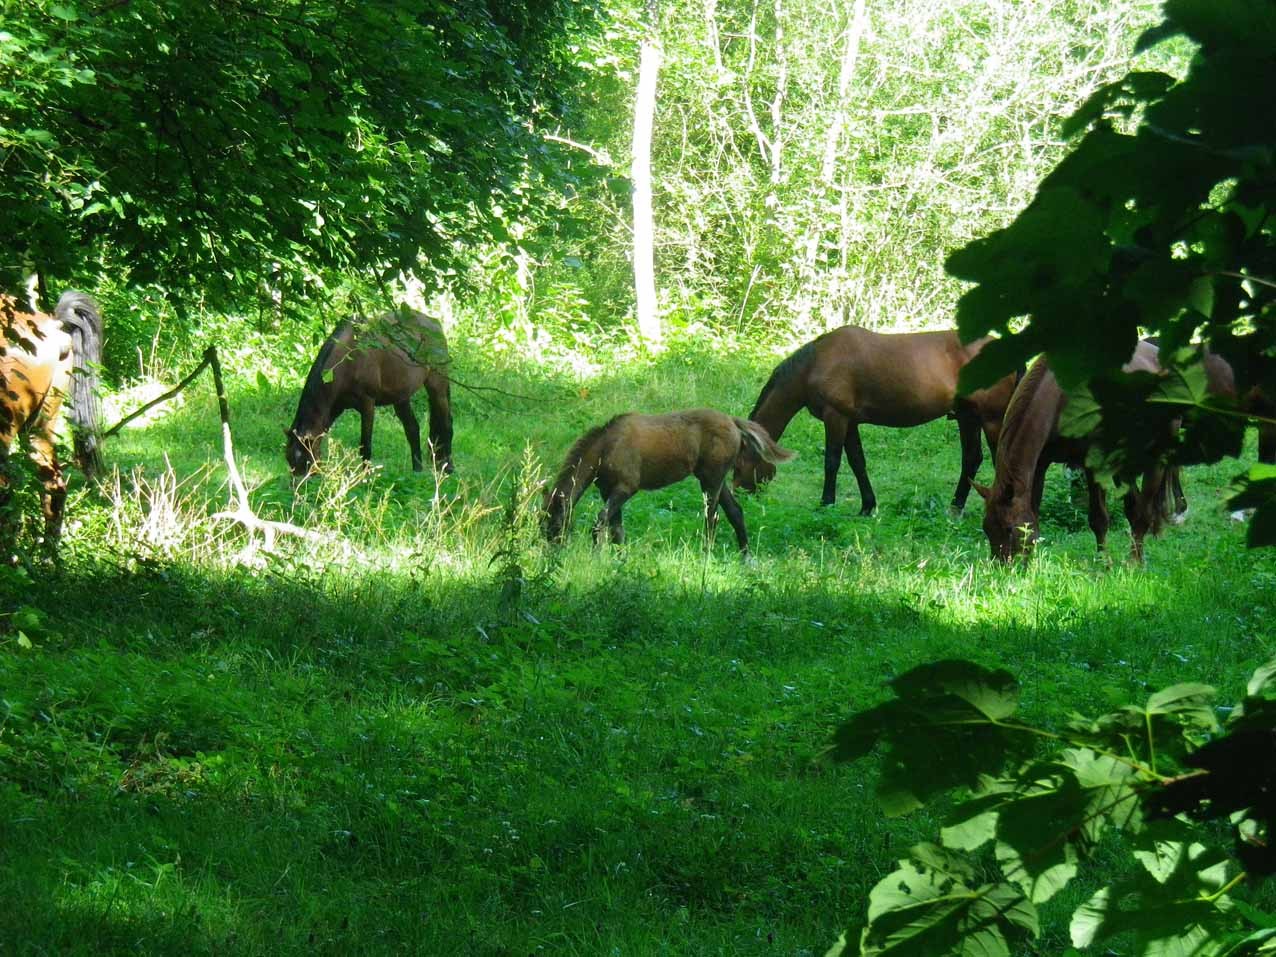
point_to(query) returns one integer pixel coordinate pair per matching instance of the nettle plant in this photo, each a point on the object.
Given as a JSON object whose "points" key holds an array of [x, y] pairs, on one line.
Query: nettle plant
{"points": [[1157, 783]]}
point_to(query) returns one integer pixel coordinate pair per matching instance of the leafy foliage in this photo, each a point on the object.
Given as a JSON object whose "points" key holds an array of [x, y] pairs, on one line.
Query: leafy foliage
{"points": [[218, 147], [1159, 220], [1148, 773]]}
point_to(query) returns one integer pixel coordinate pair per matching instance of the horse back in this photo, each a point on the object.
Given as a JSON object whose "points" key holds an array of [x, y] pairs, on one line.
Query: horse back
{"points": [[893, 379], [389, 361], [652, 451]]}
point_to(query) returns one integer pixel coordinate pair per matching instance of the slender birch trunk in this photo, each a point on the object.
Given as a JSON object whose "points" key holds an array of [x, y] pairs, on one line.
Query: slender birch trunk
{"points": [[644, 223]]}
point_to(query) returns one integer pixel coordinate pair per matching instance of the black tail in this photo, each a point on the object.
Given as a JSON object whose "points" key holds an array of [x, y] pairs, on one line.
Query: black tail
{"points": [[80, 317]]}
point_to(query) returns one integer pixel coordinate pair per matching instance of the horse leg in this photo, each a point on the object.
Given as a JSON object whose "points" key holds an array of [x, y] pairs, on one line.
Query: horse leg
{"points": [[1098, 513], [855, 456], [1142, 508], [834, 440], [438, 389], [610, 525], [1175, 479], [972, 454], [367, 416], [736, 517], [412, 429], [1267, 443], [53, 499]]}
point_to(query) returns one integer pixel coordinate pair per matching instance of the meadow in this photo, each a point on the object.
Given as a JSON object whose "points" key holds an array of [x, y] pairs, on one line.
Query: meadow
{"points": [[435, 734]]}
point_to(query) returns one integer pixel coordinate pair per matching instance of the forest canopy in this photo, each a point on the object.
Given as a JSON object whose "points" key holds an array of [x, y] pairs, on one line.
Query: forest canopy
{"points": [[215, 147]]}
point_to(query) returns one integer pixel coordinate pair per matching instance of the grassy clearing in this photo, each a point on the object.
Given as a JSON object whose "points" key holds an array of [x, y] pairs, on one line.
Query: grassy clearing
{"points": [[447, 738]]}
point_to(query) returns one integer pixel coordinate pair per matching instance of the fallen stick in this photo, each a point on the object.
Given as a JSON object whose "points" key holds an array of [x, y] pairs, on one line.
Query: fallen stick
{"points": [[242, 511]]}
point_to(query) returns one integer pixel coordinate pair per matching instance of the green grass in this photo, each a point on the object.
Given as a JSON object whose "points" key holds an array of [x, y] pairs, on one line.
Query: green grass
{"points": [[440, 736]]}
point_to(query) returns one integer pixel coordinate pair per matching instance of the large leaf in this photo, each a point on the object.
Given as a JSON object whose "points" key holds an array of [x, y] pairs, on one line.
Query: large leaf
{"points": [[1169, 725], [942, 731], [1174, 912], [929, 908]]}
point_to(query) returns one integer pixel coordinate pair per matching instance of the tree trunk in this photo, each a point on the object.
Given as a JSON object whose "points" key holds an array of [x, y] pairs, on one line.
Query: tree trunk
{"points": [[644, 223]]}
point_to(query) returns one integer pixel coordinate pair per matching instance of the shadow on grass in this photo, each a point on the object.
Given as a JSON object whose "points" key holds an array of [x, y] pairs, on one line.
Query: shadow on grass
{"points": [[228, 760]]}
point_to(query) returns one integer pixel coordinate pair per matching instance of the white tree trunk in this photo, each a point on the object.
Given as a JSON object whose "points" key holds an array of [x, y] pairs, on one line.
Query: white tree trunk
{"points": [[644, 223]]}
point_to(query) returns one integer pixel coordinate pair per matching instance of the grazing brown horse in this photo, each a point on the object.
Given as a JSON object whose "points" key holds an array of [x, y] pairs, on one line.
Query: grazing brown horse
{"points": [[1030, 442], [384, 363], [44, 359], [1220, 380], [633, 452], [851, 377]]}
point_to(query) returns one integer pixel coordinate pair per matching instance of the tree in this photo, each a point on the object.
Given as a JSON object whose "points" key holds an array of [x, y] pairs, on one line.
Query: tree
{"points": [[1160, 219], [208, 146], [644, 222]]}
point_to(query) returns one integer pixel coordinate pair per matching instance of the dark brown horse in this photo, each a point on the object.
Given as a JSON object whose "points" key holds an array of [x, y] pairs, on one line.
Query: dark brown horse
{"points": [[851, 377], [1030, 442], [1220, 381], [362, 367], [633, 452], [44, 359]]}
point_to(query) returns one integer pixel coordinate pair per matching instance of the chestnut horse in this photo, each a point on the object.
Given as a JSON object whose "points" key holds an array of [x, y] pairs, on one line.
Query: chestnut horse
{"points": [[850, 377], [384, 363], [43, 359], [1030, 442], [633, 452]]}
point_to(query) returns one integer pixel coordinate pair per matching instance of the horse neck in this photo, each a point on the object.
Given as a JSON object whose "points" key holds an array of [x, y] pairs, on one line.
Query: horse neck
{"points": [[777, 406], [1029, 425], [579, 468], [314, 410]]}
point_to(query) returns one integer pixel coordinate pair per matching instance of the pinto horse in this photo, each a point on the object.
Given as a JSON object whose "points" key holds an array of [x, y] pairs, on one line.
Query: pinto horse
{"points": [[43, 360], [850, 377], [361, 368], [633, 452], [1030, 442]]}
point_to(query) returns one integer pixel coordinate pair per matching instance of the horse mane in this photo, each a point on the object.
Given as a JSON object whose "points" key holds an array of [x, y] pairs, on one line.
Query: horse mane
{"points": [[792, 365], [576, 453], [314, 378], [1020, 399], [80, 316]]}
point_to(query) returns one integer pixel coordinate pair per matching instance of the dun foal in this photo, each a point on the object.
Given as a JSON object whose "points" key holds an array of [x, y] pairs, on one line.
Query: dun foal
{"points": [[633, 452]]}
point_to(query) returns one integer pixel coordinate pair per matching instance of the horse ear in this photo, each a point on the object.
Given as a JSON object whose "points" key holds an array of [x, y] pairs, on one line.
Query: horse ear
{"points": [[984, 491]]}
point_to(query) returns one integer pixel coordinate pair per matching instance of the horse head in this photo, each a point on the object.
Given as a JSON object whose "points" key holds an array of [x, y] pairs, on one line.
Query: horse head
{"points": [[751, 470], [302, 453], [1009, 522], [554, 520]]}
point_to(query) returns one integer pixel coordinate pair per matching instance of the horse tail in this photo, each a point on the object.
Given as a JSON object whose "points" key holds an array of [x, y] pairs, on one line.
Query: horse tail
{"points": [[758, 439], [578, 471], [81, 318]]}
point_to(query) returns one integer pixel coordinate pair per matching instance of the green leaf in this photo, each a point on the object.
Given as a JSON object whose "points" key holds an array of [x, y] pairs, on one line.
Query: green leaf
{"points": [[1120, 97], [941, 732], [1175, 915], [1262, 683], [24, 641], [64, 12], [927, 908]]}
